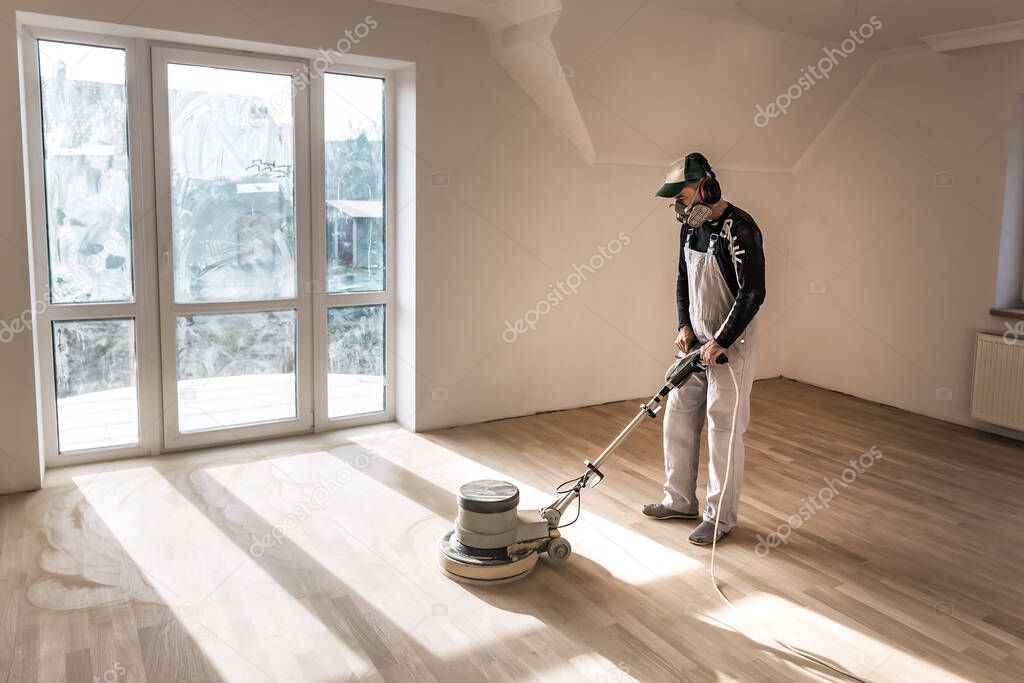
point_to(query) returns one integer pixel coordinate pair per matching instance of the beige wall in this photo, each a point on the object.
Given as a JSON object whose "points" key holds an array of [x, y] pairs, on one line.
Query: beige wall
{"points": [[532, 219], [909, 266], [521, 208]]}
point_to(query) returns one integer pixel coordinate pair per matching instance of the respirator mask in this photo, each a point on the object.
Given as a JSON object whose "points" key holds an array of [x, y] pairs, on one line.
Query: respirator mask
{"points": [[694, 215]]}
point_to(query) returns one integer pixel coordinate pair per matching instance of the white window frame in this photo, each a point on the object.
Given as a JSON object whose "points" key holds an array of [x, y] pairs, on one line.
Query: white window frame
{"points": [[322, 300], [147, 366], [157, 392]]}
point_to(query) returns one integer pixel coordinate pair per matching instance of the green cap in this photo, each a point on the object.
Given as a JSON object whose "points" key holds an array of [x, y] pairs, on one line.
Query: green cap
{"points": [[682, 171]]}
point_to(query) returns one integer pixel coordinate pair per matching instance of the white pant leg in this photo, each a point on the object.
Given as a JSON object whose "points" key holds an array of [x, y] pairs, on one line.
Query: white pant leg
{"points": [[683, 422], [721, 403]]}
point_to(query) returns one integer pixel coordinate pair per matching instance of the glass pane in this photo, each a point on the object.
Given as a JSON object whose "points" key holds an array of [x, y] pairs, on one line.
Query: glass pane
{"points": [[235, 369], [232, 136], [95, 370], [355, 360], [354, 180], [86, 174]]}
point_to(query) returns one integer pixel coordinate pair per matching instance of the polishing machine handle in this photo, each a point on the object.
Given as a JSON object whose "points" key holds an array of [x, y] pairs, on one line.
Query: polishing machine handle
{"points": [[681, 370]]}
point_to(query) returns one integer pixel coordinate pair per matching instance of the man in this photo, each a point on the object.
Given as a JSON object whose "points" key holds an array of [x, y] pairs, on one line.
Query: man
{"points": [[719, 289]]}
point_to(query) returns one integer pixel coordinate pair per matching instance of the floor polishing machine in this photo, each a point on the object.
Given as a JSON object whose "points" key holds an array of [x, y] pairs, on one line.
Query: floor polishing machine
{"points": [[495, 542]]}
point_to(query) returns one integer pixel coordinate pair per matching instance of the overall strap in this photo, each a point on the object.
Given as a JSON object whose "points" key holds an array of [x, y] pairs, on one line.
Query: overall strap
{"points": [[689, 237], [713, 244]]}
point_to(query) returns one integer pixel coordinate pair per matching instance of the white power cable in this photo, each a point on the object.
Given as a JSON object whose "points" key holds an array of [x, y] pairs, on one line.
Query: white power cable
{"points": [[714, 542]]}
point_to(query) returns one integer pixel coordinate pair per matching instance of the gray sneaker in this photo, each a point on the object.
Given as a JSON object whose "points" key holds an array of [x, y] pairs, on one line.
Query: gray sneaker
{"points": [[704, 532], [662, 511]]}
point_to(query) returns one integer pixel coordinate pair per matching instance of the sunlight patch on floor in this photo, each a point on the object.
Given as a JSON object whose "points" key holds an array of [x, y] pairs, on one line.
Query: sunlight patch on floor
{"points": [[203, 576], [765, 616], [371, 539]]}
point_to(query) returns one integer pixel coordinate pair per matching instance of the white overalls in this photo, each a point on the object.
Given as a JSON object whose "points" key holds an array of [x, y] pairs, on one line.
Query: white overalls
{"points": [[713, 392]]}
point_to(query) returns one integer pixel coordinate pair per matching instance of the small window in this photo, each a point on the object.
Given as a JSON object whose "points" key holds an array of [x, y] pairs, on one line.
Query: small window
{"points": [[96, 376]]}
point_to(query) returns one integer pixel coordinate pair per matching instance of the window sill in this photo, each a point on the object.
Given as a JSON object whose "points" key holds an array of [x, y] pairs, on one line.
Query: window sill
{"points": [[1015, 313]]}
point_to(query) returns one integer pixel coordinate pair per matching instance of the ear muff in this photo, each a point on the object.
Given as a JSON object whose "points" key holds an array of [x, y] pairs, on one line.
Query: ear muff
{"points": [[710, 191]]}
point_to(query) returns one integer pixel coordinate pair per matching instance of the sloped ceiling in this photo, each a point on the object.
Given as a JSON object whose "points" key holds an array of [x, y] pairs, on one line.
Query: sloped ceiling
{"points": [[644, 81]]}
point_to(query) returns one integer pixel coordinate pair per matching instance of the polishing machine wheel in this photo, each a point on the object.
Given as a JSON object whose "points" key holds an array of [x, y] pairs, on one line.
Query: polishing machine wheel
{"points": [[559, 549]]}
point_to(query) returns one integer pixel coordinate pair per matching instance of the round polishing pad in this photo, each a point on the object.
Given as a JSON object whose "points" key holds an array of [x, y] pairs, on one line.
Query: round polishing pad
{"points": [[490, 568]]}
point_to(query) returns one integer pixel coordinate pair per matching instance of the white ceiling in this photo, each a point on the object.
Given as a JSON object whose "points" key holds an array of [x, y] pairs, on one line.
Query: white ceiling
{"points": [[644, 81]]}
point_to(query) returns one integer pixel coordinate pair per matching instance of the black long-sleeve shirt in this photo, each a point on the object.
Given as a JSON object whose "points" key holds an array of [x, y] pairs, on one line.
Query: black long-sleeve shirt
{"points": [[745, 279]]}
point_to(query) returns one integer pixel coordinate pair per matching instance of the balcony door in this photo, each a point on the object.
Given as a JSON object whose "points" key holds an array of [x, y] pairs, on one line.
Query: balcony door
{"points": [[231, 157]]}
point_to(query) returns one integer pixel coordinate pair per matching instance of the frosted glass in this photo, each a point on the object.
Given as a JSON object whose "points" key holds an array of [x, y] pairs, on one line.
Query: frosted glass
{"points": [[96, 375], [232, 137], [355, 360], [354, 182], [86, 172], [235, 369]]}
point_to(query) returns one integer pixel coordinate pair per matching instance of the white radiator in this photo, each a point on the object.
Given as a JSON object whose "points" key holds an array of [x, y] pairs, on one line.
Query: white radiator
{"points": [[998, 395]]}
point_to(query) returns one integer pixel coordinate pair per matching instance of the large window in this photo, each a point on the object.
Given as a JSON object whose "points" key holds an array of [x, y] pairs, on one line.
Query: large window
{"points": [[257, 298], [86, 309]]}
